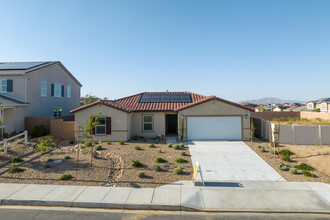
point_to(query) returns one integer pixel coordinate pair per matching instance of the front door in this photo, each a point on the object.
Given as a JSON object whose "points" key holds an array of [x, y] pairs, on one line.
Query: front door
{"points": [[171, 124]]}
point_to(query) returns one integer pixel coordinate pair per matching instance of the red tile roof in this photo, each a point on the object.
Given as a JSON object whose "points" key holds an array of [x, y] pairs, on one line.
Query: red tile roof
{"points": [[132, 103]]}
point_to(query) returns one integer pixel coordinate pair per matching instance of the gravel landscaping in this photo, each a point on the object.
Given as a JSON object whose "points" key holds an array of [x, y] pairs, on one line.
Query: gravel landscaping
{"points": [[315, 156], [112, 164]]}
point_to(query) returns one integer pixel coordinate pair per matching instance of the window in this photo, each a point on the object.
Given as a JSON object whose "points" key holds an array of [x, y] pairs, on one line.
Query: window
{"points": [[4, 85], [147, 123], [57, 112], [310, 105], [68, 93], [57, 90], [323, 105], [100, 129], [43, 88]]}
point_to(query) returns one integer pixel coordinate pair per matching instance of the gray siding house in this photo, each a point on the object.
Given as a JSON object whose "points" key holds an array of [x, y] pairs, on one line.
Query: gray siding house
{"points": [[35, 89]]}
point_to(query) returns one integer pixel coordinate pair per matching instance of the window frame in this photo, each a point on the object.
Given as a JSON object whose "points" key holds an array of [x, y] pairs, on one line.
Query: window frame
{"points": [[310, 105], [68, 91], [43, 89], [323, 106], [58, 89], [6, 85], [103, 125], [152, 123]]}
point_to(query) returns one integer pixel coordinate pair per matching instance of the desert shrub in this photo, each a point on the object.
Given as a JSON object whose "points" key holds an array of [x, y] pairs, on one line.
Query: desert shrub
{"points": [[181, 145], [38, 131], [160, 160], [259, 146], [121, 142], [46, 166], [282, 167], [16, 160], [273, 144], [108, 143], [49, 160], [303, 166], [98, 147], [262, 149], [293, 170], [44, 144], [182, 153], [95, 142], [273, 151], [82, 142], [176, 146], [169, 145], [88, 144], [286, 152], [141, 174], [156, 167], [16, 169], [137, 163], [67, 157], [71, 142], [177, 170], [66, 177], [152, 146], [135, 138], [286, 158], [181, 160], [137, 148], [308, 174]]}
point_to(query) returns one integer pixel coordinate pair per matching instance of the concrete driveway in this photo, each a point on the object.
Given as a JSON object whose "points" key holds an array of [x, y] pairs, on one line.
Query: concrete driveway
{"points": [[230, 161]]}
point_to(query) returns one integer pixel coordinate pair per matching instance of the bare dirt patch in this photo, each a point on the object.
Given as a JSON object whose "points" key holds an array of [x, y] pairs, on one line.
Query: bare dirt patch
{"points": [[97, 175], [316, 156]]}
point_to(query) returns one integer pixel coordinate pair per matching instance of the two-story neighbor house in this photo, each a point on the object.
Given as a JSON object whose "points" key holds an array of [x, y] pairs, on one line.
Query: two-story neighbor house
{"points": [[322, 104], [35, 89]]}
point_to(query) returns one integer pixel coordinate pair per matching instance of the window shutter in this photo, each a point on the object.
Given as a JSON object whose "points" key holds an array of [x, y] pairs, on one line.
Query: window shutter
{"points": [[52, 89], [9, 85], [108, 125], [93, 128], [62, 90]]}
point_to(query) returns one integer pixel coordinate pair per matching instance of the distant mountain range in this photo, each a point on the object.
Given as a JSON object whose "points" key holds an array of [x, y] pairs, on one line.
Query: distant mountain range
{"points": [[271, 100]]}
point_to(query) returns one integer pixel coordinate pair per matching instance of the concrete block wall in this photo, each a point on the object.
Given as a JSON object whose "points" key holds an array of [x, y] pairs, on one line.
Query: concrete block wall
{"points": [[31, 122], [61, 129]]}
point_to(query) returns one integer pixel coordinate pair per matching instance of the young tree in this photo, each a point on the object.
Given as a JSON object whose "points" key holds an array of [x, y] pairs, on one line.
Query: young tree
{"points": [[253, 128]]}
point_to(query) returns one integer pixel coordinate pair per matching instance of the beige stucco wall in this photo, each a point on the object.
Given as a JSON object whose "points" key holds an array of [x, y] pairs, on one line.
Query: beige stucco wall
{"points": [[18, 87], [13, 119], [215, 108], [119, 122], [44, 106]]}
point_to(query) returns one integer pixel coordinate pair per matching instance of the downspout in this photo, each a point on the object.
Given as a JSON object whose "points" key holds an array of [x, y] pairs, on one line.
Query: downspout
{"points": [[25, 83]]}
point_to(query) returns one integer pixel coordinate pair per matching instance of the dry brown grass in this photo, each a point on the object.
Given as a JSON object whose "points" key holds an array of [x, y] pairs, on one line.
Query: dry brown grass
{"points": [[302, 121]]}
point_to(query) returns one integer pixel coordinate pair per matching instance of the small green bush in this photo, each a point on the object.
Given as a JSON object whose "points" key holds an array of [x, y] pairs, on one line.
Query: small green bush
{"points": [[137, 163], [38, 131], [121, 142], [108, 143], [16, 160], [181, 160], [88, 144], [308, 174], [273, 144], [258, 146], [286, 158], [67, 157], [156, 167], [304, 166], [177, 170], [141, 174], [160, 160], [293, 170], [273, 151], [46, 166], [152, 146], [262, 149], [16, 169], [95, 142], [82, 142], [286, 152], [176, 146], [98, 147], [137, 148], [282, 167], [71, 142], [181, 145], [169, 145], [182, 153], [49, 160], [66, 177], [135, 138]]}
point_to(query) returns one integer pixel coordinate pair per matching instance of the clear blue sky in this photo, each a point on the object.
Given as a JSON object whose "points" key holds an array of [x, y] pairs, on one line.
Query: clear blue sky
{"points": [[236, 50]]}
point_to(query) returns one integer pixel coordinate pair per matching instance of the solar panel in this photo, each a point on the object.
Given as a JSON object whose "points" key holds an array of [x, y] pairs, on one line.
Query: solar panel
{"points": [[166, 97], [19, 65]]}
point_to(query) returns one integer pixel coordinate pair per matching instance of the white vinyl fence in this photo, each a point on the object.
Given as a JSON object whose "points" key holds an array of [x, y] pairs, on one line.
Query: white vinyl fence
{"points": [[14, 140], [296, 134]]}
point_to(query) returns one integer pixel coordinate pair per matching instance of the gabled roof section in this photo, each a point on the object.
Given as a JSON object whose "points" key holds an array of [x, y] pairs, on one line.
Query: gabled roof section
{"points": [[6, 100], [133, 104], [20, 65]]}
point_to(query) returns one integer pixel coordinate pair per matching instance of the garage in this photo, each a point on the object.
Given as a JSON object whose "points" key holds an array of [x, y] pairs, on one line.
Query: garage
{"points": [[214, 128]]}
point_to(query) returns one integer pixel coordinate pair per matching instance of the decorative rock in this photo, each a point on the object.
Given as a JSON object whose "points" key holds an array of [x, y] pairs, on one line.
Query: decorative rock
{"points": [[58, 161]]}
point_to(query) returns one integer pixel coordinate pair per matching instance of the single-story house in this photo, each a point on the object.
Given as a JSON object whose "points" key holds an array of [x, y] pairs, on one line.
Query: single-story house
{"points": [[149, 114]]}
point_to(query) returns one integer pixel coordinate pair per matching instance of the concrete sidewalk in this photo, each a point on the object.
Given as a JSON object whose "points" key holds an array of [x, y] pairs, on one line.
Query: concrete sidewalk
{"points": [[299, 197]]}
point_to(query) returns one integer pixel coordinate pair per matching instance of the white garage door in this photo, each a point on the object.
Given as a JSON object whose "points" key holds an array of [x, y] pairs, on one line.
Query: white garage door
{"points": [[214, 128]]}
